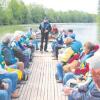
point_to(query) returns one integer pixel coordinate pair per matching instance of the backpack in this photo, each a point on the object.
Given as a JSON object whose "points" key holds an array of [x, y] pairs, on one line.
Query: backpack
{"points": [[8, 56]]}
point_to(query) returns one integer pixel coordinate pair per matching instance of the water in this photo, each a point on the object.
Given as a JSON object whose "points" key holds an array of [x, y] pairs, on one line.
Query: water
{"points": [[84, 31]]}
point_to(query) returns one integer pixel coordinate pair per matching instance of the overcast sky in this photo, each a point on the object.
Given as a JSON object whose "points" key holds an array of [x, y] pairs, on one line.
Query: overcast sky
{"points": [[65, 5]]}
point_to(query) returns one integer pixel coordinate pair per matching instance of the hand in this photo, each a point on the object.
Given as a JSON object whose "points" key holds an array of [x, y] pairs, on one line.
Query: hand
{"points": [[4, 85], [78, 81], [46, 31], [73, 70], [68, 90]]}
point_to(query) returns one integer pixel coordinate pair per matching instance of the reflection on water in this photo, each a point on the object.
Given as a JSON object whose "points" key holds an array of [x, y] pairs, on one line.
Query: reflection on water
{"points": [[84, 31]]}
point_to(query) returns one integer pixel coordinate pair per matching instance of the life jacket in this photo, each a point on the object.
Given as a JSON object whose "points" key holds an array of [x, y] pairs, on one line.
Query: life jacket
{"points": [[54, 30], [2, 63], [45, 26], [84, 67]]}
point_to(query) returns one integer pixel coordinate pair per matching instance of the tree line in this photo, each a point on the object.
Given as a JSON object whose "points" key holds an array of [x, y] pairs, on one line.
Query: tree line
{"points": [[18, 13]]}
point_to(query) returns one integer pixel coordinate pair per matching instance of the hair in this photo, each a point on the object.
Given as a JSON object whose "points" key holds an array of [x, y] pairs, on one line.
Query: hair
{"points": [[89, 45], [68, 40], [94, 73], [94, 62], [45, 18], [30, 28], [96, 77], [70, 30], [6, 38]]}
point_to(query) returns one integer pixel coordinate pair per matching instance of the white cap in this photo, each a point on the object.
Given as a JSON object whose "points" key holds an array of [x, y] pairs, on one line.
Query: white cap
{"points": [[7, 38], [94, 61]]}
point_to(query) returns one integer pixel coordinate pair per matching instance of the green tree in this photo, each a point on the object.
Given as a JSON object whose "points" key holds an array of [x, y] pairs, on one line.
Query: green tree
{"points": [[37, 13], [17, 12], [1, 17]]}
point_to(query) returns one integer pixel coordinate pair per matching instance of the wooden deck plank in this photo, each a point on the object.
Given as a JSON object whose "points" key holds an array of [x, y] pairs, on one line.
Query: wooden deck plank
{"points": [[35, 81], [42, 84]]}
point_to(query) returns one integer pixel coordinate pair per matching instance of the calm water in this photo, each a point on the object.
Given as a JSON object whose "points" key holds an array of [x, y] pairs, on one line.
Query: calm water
{"points": [[84, 31]]}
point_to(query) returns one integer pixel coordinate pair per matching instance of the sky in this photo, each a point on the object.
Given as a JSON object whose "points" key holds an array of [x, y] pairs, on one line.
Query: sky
{"points": [[89, 6]]}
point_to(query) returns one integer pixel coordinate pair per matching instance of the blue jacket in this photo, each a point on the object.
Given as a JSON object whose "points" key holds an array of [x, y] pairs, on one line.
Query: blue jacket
{"points": [[85, 57], [88, 92], [60, 39], [8, 54], [72, 35], [45, 26], [76, 46]]}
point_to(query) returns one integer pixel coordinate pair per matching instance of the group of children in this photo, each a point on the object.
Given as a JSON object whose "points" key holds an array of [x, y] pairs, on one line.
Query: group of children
{"points": [[15, 59], [78, 66]]}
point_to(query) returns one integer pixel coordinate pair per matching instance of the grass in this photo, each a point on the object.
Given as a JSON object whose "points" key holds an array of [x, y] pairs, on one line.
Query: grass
{"points": [[12, 28]]}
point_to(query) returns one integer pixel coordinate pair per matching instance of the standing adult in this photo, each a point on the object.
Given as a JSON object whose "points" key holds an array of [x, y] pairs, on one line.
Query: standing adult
{"points": [[45, 28]]}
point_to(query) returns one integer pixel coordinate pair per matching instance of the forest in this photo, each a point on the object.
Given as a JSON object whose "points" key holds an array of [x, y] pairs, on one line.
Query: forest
{"points": [[16, 12]]}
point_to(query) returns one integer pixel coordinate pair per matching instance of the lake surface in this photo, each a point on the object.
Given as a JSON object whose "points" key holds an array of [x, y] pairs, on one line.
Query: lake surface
{"points": [[84, 31]]}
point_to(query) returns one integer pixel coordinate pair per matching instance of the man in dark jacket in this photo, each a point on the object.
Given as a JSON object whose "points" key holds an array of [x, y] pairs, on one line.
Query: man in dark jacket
{"points": [[45, 28]]}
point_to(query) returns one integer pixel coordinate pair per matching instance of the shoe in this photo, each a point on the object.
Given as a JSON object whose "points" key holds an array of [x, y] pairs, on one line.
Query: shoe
{"points": [[55, 59], [59, 81], [41, 51], [37, 48], [46, 50], [18, 86], [15, 95], [56, 77], [53, 55], [22, 82]]}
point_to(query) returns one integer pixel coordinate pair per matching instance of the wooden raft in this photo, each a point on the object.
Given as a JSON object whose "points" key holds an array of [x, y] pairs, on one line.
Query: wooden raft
{"points": [[42, 84]]}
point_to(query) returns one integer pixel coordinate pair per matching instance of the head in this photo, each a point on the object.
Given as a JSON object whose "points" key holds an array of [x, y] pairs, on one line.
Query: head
{"points": [[54, 25], [94, 63], [6, 39], [33, 36], [45, 20], [96, 76], [64, 31], [68, 40], [70, 31], [88, 47], [18, 35], [30, 29]]}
